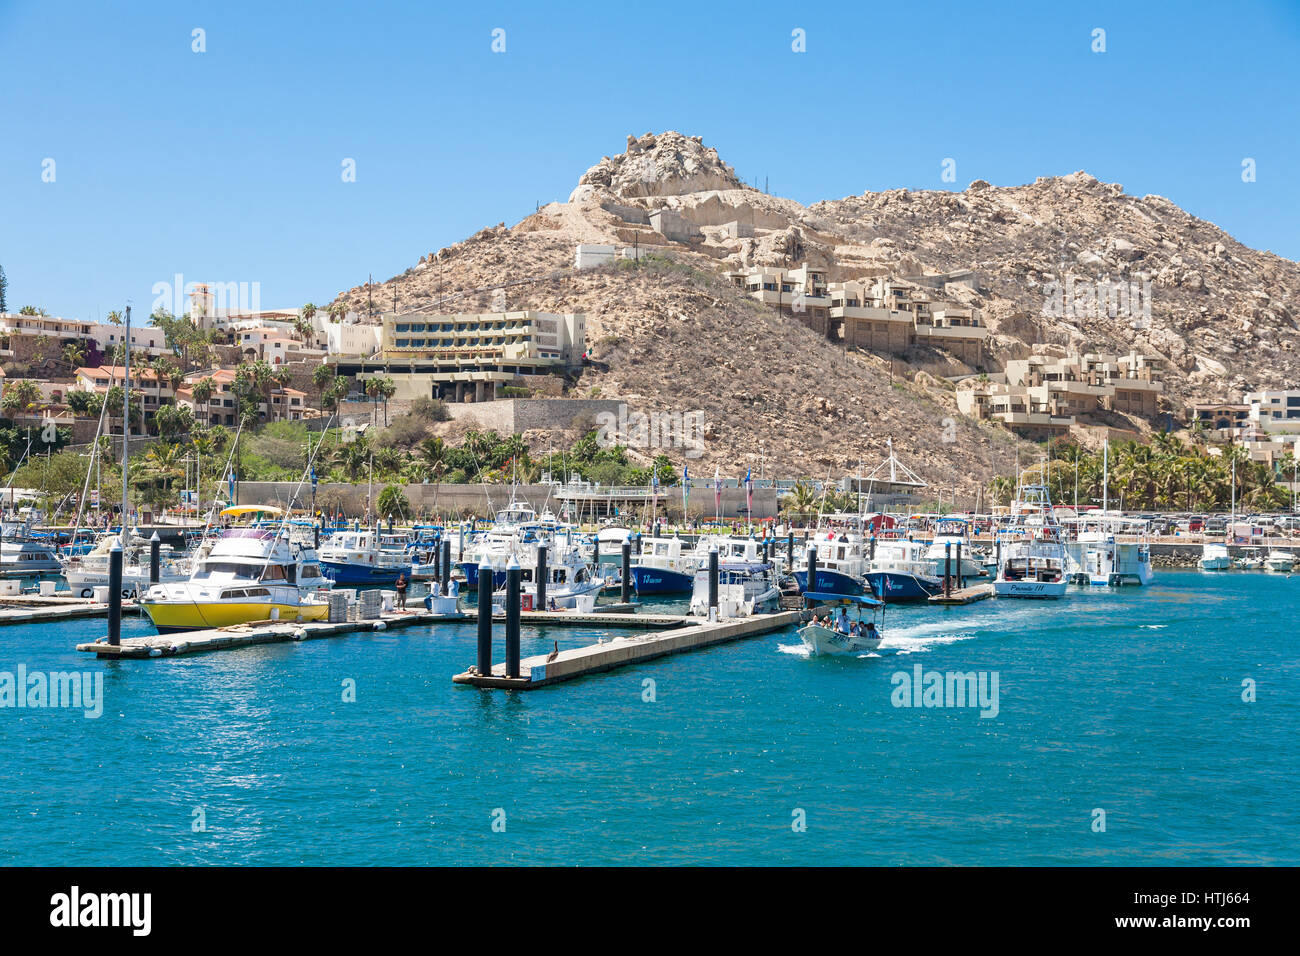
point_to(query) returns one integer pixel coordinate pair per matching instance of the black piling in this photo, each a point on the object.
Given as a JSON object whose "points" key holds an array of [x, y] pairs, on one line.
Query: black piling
{"points": [[155, 557], [461, 554], [947, 568], [315, 533], [627, 572], [115, 594], [872, 554], [789, 551], [960, 584], [540, 577], [812, 571], [713, 584], [485, 618], [513, 573], [446, 566]]}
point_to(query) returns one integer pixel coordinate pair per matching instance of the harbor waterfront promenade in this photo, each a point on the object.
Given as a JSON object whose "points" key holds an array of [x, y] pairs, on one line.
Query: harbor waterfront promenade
{"points": [[1169, 708]]}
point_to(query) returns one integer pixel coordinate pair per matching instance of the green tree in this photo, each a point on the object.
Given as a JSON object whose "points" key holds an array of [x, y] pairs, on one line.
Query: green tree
{"points": [[392, 503]]}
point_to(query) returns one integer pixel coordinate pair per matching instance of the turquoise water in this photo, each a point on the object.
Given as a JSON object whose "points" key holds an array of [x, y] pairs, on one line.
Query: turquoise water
{"points": [[1130, 702]]}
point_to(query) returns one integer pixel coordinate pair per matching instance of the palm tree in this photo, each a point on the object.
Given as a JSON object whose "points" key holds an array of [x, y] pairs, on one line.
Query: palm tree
{"points": [[74, 353]]}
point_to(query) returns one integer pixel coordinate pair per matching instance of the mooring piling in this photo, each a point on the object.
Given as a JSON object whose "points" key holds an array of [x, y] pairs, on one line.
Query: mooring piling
{"points": [[485, 616], [627, 572], [540, 576], [155, 557], [115, 594], [513, 575]]}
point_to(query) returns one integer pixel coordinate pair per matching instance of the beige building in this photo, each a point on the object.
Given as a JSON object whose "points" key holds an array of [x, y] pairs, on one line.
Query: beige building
{"points": [[1042, 395], [879, 314], [470, 356]]}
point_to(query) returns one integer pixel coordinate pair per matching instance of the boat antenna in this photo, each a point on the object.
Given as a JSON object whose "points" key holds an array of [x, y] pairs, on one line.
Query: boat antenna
{"points": [[126, 423]]}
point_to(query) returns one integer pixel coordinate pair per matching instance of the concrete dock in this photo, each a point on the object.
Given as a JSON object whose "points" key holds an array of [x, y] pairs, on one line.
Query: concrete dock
{"points": [[34, 609], [620, 651], [251, 634]]}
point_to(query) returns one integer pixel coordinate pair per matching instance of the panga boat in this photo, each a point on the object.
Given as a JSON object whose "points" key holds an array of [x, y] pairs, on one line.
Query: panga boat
{"points": [[1215, 557], [831, 631], [249, 574], [1280, 560]]}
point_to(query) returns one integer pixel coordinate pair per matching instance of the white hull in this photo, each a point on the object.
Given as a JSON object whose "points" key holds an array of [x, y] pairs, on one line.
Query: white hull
{"points": [[822, 640], [1029, 589]]}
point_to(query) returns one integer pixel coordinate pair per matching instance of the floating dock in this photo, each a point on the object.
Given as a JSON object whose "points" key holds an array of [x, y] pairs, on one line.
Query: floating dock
{"points": [[966, 595], [35, 609], [541, 670], [251, 634]]}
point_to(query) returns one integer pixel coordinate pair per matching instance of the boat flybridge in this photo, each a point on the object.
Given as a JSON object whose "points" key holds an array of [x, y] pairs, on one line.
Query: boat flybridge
{"points": [[1034, 558], [744, 588], [249, 573], [901, 571], [950, 533], [841, 563]]}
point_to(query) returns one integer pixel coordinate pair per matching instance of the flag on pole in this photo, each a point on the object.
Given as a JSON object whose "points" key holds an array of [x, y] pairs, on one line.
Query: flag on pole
{"points": [[686, 488], [717, 491], [749, 492]]}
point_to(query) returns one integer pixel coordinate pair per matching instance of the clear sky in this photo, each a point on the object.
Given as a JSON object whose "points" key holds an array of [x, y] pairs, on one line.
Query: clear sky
{"points": [[226, 165]]}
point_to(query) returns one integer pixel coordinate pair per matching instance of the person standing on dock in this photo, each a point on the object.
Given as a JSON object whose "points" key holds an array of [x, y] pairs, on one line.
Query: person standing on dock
{"points": [[401, 591]]}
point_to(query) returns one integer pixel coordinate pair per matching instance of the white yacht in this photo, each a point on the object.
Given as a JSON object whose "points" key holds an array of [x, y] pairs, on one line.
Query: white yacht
{"points": [[950, 532], [1215, 557], [86, 572], [900, 571], [1278, 560], [248, 574], [23, 553], [748, 587]]}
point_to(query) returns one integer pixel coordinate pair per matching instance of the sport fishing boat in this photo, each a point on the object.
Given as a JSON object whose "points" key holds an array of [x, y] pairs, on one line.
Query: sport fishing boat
{"points": [[752, 586], [248, 574], [1280, 560], [827, 635], [951, 533], [900, 571], [21, 552], [1098, 558], [362, 557], [1033, 554], [86, 572], [1215, 557], [664, 566]]}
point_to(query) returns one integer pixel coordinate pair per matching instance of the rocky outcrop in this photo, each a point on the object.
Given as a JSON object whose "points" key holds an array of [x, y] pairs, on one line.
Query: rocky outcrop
{"points": [[669, 164]]}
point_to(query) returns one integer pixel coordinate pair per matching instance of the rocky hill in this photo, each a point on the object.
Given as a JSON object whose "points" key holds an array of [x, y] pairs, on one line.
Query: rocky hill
{"points": [[674, 335]]}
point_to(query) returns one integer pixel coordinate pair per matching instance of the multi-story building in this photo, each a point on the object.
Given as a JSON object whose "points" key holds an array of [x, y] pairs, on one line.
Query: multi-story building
{"points": [[28, 338], [879, 315], [470, 356], [222, 406], [1229, 419], [154, 391], [1043, 395], [1275, 411], [274, 346]]}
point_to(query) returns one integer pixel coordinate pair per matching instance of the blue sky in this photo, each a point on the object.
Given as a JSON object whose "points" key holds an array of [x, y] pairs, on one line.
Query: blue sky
{"points": [[226, 165]]}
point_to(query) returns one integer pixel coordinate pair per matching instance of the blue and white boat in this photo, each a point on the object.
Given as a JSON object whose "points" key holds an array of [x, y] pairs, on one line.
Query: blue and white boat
{"points": [[664, 566], [840, 564], [360, 557], [900, 572]]}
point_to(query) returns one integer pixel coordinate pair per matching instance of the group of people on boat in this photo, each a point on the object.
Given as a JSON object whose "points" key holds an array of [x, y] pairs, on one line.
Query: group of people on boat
{"points": [[840, 622]]}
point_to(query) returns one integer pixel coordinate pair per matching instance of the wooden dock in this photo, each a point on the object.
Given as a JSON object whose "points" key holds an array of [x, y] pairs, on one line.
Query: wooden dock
{"points": [[966, 595], [620, 651], [610, 618]]}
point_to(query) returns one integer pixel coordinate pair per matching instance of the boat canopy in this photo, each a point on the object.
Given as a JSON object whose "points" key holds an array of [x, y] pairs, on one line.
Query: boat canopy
{"points": [[236, 510], [827, 597]]}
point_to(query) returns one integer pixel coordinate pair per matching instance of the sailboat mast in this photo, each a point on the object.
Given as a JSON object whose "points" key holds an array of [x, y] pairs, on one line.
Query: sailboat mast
{"points": [[126, 421]]}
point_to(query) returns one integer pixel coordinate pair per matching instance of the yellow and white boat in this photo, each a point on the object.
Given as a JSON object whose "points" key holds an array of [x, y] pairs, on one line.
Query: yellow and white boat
{"points": [[248, 574]]}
